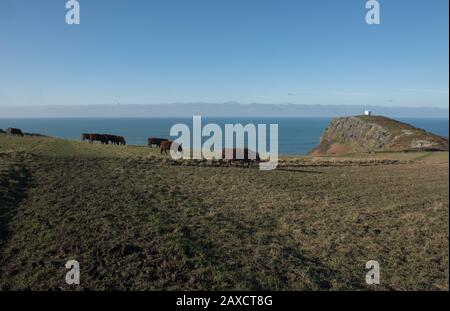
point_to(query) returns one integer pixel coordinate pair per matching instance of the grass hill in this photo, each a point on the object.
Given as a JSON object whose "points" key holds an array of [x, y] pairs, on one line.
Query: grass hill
{"points": [[361, 134], [137, 220]]}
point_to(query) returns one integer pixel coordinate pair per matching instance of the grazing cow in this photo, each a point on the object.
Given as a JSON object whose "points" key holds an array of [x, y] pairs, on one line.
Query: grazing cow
{"points": [[14, 131], [85, 136], [89, 137], [153, 141], [166, 145], [116, 140], [103, 139], [244, 155], [121, 140], [110, 139]]}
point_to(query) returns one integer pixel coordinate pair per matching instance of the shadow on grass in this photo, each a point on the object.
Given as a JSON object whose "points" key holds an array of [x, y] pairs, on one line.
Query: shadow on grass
{"points": [[232, 253], [13, 182]]}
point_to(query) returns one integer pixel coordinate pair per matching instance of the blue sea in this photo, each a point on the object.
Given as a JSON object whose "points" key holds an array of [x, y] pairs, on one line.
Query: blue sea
{"points": [[296, 135]]}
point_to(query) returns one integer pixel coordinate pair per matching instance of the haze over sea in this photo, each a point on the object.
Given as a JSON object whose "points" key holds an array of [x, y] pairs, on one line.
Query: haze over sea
{"points": [[297, 135]]}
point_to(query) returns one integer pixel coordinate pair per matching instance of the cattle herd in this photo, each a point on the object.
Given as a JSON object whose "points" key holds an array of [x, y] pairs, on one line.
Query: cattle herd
{"points": [[104, 138], [14, 131], [164, 145], [244, 155]]}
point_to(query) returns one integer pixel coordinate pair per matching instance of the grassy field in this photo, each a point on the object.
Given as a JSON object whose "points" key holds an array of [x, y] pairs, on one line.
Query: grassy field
{"points": [[137, 220]]}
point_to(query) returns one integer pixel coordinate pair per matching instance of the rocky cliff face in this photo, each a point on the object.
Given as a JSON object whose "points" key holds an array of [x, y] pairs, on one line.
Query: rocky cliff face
{"points": [[362, 134]]}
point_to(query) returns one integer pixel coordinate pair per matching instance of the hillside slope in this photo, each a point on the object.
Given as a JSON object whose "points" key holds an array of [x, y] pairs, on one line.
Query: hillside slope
{"points": [[136, 221], [362, 134]]}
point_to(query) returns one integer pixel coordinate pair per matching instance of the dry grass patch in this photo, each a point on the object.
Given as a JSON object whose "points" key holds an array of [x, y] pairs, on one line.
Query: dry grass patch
{"points": [[137, 221]]}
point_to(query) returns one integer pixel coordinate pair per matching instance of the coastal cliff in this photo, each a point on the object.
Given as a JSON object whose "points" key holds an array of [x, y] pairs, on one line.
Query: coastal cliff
{"points": [[363, 134]]}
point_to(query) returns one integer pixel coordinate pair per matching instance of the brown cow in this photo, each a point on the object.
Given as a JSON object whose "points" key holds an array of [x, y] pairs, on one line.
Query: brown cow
{"points": [[153, 141], [14, 131], [166, 145], [90, 137], [243, 155], [103, 139]]}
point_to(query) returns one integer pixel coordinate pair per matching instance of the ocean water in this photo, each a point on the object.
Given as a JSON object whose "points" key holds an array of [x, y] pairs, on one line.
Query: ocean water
{"points": [[296, 135]]}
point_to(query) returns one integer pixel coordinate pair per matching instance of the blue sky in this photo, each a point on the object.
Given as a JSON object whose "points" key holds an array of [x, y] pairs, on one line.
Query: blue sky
{"points": [[263, 51]]}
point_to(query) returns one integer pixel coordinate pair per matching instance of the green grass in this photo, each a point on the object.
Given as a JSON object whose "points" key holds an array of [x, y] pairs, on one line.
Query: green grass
{"points": [[398, 129], [61, 147], [393, 126], [13, 178], [135, 220]]}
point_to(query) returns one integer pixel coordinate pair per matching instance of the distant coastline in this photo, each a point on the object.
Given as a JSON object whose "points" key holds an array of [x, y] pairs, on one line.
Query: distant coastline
{"points": [[229, 109], [297, 135]]}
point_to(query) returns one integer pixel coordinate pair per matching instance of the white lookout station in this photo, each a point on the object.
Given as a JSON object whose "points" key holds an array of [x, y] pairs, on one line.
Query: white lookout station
{"points": [[367, 112]]}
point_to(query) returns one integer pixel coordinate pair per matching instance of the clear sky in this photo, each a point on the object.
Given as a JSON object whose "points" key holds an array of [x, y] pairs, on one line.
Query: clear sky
{"points": [[264, 51]]}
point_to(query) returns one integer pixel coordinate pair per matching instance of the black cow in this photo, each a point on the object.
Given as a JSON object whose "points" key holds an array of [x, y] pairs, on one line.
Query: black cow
{"points": [[116, 140], [14, 131], [85, 136]]}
